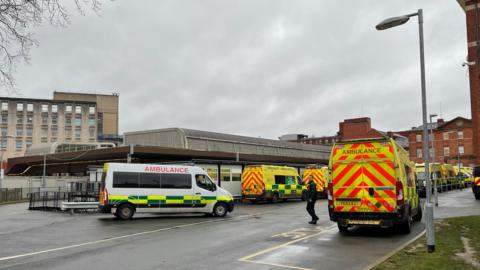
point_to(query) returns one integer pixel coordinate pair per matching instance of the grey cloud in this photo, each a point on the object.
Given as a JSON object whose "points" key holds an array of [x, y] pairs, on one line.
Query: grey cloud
{"points": [[258, 68]]}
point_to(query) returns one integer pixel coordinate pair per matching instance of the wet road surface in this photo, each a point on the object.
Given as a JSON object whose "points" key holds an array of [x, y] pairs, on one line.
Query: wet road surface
{"points": [[260, 236]]}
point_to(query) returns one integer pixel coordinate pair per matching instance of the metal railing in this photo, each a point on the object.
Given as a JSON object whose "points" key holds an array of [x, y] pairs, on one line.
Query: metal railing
{"points": [[52, 199], [11, 194]]}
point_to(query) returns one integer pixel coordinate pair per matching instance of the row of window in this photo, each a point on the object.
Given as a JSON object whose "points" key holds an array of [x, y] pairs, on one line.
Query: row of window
{"points": [[446, 151], [54, 120], [446, 136], [45, 108], [151, 180]]}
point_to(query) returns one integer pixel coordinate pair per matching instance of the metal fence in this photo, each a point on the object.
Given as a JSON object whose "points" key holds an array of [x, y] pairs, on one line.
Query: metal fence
{"points": [[52, 200], [11, 194]]}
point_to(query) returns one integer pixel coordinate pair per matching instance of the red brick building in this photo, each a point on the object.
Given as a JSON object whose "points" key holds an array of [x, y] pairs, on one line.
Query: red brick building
{"points": [[453, 142], [353, 129], [472, 13]]}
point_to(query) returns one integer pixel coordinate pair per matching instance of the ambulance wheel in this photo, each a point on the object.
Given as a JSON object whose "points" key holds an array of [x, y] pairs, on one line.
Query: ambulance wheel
{"points": [[418, 216], [342, 228], [406, 226], [275, 198], [253, 201], [125, 211], [220, 209], [477, 196]]}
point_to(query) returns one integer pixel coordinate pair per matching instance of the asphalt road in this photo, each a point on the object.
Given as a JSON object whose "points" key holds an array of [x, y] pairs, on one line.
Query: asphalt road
{"points": [[261, 236]]}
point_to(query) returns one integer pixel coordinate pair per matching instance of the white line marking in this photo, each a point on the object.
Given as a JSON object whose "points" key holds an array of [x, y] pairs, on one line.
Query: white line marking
{"points": [[285, 244], [127, 236], [277, 265]]}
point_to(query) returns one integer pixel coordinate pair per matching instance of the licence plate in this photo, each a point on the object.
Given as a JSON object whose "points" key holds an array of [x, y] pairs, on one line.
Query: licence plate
{"points": [[364, 222], [347, 203]]}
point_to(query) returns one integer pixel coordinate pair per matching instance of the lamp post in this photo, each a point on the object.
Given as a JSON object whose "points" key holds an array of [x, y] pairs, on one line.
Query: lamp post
{"points": [[435, 192], [393, 22]]}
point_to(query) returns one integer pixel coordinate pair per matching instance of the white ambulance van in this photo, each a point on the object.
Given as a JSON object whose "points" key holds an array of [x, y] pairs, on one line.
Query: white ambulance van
{"points": [[128, 188]]}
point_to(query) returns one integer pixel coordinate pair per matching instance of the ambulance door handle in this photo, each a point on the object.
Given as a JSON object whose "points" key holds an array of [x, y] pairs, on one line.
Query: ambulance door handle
{"points": [[198, 193]]}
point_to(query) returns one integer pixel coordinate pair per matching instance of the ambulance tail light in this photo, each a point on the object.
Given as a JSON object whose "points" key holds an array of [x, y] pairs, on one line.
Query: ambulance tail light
{"points": [[104, 197], [400, 197], [330, 194]]}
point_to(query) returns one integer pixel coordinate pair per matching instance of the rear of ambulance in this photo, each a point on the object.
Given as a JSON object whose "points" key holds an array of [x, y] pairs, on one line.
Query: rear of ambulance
{"points": [[363, 188], [104, 205], [253, 185]]}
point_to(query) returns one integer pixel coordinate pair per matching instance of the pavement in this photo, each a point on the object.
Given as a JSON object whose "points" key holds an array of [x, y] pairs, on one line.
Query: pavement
{"points": [[263, 236]]}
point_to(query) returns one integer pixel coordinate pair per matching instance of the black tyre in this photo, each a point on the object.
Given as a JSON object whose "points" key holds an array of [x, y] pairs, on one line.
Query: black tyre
{"points": [[342, 228], [275, 198], [477, 196], [406, 226], [220, 209], [125, 211], [253, 201], [418, 216]]}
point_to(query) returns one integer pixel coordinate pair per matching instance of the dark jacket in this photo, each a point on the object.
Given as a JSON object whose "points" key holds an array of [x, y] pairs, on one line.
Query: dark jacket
{"points": [[312, 191]]}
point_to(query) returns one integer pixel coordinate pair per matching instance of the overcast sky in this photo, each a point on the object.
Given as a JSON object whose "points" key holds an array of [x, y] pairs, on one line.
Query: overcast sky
{"points": [[256, 67]]}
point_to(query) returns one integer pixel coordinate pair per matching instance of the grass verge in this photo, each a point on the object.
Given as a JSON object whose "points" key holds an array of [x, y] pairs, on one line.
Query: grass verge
{"points": [[457, 247]]}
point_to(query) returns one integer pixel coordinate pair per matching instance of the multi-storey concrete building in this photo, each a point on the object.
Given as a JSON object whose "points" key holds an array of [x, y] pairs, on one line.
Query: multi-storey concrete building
{"points": [[107, 112], [68, 117]]}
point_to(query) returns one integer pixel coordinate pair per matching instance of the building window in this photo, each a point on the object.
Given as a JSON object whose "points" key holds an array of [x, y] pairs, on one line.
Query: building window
{"points": [[28, 143], [44, 107], [91, 121], [460, 134], [91, 133], [4, 106], [44, 120], [29, 132], [419, 152], [53, 139], [44, 132], [419, 137], [3, 143], [68, 133], [446, 150], [54, 120], [43, 140], [20, 107], [430, 136], [445, 135], [19, 132], [29, 119], [78, 109], [91, 110], [18, 145], [78, 133], [68, 108], [20, 119], [430, 152], [68, 121], [461, 150], [54, 108], [29, 107], [78, 120]]}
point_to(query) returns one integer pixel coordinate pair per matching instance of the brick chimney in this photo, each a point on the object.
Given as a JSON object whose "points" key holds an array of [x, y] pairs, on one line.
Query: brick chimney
{"points": [[357, 128]]}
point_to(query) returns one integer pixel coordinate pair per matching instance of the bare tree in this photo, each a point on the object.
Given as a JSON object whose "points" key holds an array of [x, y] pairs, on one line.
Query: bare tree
{"points": [[17, 19]]}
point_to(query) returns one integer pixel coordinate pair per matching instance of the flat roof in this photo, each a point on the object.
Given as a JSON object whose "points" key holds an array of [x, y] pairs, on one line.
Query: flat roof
{"points": [[77, 162], [45, 100]]}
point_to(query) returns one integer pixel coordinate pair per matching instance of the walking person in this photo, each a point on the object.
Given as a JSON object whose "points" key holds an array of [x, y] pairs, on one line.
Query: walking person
{"points": [[311, 199]]}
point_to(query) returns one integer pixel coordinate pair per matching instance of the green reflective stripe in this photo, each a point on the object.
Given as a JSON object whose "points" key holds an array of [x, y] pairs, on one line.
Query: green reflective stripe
{"points": [[161, 200]]}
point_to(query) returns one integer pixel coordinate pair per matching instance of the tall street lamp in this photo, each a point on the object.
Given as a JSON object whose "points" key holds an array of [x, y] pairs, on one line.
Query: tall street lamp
{"points": [[433, 159], [389, 23]]}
